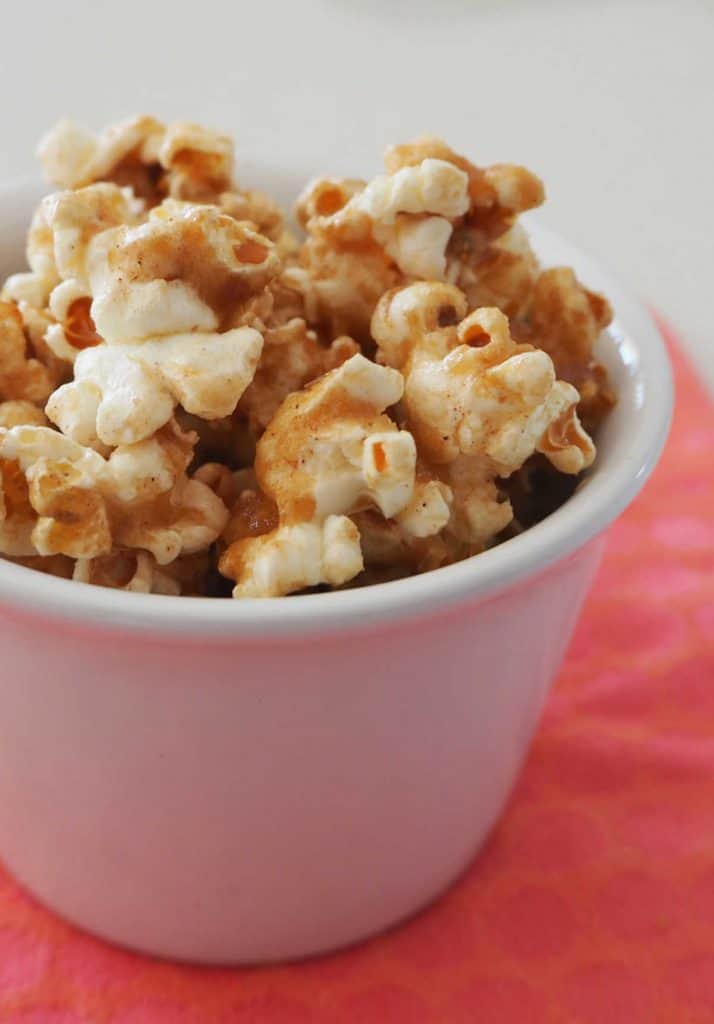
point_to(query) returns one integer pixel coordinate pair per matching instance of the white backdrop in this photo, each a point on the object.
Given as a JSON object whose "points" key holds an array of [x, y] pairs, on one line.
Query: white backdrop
{"points": [[611, 102]]}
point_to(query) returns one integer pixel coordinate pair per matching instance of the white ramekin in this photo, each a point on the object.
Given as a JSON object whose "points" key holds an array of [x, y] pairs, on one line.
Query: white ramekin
{"points": [[246, 781]]}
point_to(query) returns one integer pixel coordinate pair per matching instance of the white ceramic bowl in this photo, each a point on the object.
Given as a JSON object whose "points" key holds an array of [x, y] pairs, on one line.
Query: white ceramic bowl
{"points": [[239, 782]]}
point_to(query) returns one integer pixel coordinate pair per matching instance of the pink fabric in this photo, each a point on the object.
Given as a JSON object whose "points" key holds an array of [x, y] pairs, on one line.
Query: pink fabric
{"points": [[593, 902]]}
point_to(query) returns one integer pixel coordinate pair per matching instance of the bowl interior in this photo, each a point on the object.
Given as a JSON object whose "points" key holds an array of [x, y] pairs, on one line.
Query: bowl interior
{"points": [[629, 444]]}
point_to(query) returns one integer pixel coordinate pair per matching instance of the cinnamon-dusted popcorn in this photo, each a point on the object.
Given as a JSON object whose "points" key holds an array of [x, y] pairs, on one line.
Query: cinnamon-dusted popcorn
{"points": [[434, 216], [394, 226], [475, 400], [469, 388], [328, 452], [182, 160], [497, 194], [165, 296], [232, 405], [122, 394], [565, 319], [186, 268], [83, 505], [296, 556]]}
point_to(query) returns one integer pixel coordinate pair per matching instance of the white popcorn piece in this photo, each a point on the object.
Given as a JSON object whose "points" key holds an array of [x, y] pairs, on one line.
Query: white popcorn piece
{"points": [[434, 216], [199, 161], [124, 393], [300, 555], [429, 510], [71, 156], [479, 510], [418, 247], [566, 443], [75, 218], [187, 268], [34, 286], [396, 224], [27, 287], [433, 186]]}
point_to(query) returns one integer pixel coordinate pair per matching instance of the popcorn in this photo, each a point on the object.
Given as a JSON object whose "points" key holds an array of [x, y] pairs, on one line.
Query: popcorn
{"points": [[67, 499], [232, 405], [182, 160], [565, 319], [434, 216], [387, 545], [126, 154], [122, 394], [199, 163], [330, 448], [22, 376], [341, 284], [296, 556], [503, 276], [164, 293], [292, 356], [328, 452], [365, 239], [471, 393], [497, 194], [75, 329], [186, 268], [134, 571]]}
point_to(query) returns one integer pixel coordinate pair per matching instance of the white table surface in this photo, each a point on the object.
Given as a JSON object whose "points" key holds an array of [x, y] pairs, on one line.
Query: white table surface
{"points": [[611, 102]]}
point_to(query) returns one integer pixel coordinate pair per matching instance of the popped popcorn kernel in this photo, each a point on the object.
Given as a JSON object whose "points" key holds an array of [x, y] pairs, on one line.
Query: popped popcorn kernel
{"points": [[476, 402], [434, 216], [565, 319], [22, 375], [329, 451], [186, 268]]}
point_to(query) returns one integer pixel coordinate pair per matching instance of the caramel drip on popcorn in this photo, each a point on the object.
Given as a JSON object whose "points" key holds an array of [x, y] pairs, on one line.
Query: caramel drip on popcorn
{"points": [[79, 327]]}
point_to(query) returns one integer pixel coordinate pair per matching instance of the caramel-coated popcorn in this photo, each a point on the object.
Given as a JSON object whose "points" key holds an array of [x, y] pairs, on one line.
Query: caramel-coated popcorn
{"points": [[191, 395], [329, 451], [477, 402]]}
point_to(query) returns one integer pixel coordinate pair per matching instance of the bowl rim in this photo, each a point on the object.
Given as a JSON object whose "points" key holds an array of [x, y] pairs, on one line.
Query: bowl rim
{"points": [[611, 486]]}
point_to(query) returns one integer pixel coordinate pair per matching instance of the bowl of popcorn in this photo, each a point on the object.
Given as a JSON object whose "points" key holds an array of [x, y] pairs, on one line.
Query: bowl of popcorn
{"points": [[296, 520]]}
